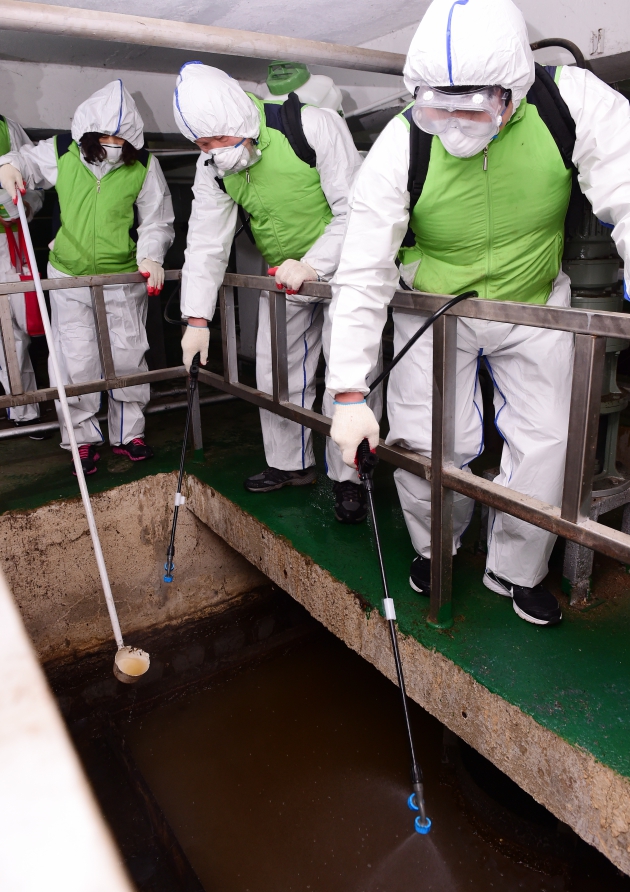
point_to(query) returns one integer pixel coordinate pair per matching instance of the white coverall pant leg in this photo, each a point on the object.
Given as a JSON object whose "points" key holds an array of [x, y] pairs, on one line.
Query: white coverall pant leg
{"points": [[74, 333], [531, 370], [289, 445], [22, 340]]}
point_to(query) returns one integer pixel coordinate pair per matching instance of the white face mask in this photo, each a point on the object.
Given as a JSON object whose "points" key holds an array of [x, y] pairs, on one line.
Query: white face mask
{"points": [[114, 153], [232, 159], [461, 146]]}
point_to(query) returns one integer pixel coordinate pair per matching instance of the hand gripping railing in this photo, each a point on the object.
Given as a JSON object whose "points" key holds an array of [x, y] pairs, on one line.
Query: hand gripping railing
{"points": [[570, 520]]}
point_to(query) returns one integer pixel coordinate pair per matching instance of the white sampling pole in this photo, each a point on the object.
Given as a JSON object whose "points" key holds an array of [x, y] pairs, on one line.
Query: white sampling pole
{"points": [[78, 467]]}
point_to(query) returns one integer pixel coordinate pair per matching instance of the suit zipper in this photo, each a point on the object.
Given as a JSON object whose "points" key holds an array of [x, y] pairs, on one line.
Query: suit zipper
{"points": [[489, 220]]}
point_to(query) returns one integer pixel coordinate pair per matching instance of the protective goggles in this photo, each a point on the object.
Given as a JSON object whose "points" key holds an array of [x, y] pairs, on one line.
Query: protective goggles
{"points": [[476, 111]]}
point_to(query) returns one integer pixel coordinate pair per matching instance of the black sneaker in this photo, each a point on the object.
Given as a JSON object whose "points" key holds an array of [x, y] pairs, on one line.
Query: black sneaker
{"points": [[535, 605], [350, 502], [36, 435], [420, 575], [89, 456], [137, 450], [274, 478]]}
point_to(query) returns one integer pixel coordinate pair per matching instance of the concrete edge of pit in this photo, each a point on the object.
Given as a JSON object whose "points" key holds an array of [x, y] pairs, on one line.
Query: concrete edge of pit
{"points": [[590, 797]]}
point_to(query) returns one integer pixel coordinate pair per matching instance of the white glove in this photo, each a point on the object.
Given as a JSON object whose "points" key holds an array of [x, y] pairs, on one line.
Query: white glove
{"points": [[196, 340], [292, 274], [352, 423], [11, 180], [153, 273]]}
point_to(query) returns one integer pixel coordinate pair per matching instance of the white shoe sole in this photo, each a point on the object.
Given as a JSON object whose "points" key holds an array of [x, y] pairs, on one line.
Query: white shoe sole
{"points": [[495, 586], [420, 591]]}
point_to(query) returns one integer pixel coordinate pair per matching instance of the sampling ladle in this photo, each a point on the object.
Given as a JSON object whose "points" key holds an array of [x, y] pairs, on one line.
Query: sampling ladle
{"points": [[130, 662], [193, 377], [366, 462]]}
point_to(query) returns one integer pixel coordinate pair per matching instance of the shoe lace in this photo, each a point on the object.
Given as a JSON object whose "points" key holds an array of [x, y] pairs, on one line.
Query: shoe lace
{"points": [[84, 451], [347, 491], [138, 441]]}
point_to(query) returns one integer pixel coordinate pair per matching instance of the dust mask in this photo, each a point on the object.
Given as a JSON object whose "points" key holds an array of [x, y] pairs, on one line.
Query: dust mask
{"points": [[459, 145], [232, 159], [114, 153]]}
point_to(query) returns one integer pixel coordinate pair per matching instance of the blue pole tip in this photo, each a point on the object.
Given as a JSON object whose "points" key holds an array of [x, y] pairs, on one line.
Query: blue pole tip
{"points": [[422, 827]]}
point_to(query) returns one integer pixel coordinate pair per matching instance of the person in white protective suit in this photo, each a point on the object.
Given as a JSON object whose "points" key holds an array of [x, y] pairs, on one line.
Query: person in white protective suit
{"points": [[297, 210], [107, 183], [13, 267], [490, 217]]}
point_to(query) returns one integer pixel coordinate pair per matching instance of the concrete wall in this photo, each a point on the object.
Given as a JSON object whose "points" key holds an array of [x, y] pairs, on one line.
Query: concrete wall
{"points": [[48, 561]]}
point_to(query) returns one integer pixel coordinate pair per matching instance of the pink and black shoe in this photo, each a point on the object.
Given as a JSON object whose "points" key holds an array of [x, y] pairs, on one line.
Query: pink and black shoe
{"points": [[137, 450], [89, 456]]}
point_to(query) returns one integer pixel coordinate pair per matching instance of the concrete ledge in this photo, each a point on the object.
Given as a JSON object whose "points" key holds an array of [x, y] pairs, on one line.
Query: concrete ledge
{"points": [[588, 796], [47, 557]]}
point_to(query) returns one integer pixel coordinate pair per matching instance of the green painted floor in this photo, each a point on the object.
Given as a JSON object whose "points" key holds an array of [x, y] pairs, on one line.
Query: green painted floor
{"points": [[573, 679]]}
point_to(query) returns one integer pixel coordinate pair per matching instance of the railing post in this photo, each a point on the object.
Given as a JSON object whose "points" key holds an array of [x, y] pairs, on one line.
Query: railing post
{"points": [[10, 350], [279, 364], [586, 395], [102, 331], [442, 452], [228, 334]]}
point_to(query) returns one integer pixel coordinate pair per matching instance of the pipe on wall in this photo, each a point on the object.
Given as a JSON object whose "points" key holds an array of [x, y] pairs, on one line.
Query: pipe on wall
{"points": [[69, 21]]}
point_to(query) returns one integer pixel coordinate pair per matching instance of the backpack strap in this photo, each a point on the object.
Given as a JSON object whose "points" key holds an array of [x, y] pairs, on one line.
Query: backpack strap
{"points": [[419, 156], [63, 142], [287, 118], [245, 227], [554, 112], [143, 157]]}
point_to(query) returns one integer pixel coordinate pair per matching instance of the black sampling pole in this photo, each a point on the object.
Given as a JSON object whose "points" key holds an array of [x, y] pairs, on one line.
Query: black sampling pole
{"points": [[193, 377], [366, 461]]}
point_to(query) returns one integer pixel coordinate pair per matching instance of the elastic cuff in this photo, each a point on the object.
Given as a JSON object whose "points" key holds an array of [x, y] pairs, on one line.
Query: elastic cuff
{"points": [[355, 403]]}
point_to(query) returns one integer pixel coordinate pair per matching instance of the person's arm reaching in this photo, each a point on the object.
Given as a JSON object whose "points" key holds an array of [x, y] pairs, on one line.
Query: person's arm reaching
{"points": [[337, 163], [602, 151], [33, 198], [37, 166], [155, 228]]}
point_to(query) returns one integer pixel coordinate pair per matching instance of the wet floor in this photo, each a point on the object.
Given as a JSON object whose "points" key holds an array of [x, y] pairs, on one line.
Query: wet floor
{"points": [[291, 776]]}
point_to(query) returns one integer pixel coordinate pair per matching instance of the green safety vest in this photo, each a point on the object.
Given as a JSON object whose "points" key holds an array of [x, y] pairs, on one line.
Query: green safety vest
{"points": [[97, 216], [282, 195], [498, 231], [5, 137]]}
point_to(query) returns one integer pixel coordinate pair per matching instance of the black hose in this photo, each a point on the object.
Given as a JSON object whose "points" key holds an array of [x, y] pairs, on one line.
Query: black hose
{"points": [[193, 377], [428, 323], [575, 51]]}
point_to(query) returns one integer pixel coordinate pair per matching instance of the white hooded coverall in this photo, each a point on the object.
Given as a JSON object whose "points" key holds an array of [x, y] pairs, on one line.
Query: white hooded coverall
{"points": [[531, 368], [210, 103], [110, 111], [34, 200]]}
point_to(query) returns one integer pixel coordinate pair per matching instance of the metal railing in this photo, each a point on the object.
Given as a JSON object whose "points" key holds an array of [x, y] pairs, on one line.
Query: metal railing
{"points": [[590, 328]]}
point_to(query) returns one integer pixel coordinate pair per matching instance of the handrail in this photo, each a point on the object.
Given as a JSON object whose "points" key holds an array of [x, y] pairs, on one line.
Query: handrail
{"points": [[590, 327]]}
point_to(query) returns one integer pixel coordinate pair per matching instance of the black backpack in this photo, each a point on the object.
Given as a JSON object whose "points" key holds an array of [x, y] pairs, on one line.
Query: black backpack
{"points": [[553, 110], [287, 118]]}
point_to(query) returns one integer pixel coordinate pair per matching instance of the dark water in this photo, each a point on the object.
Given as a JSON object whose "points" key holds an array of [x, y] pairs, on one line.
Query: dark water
{"points": [[292, 776]]}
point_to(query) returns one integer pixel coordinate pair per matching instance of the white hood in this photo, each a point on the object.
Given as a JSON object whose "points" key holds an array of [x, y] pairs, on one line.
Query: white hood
{"points": [[476, 42], [208, 102], [111, 111]]}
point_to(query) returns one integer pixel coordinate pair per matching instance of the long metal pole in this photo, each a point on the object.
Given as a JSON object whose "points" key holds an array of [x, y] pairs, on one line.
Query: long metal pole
{"points": [[69, 21], [65, 411]]}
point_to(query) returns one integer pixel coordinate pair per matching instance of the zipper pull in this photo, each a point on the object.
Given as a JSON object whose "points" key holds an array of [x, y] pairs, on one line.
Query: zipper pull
{"points": [[485, 158], [247, 175], [98, 185]]}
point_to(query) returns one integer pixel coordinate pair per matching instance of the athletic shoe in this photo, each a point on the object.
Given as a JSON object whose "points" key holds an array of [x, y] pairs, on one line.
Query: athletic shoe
{"points": [[350, 502], [535, 605], [38, 435], [137, 450], [420, 575], [274, 478], [89, 456]]}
